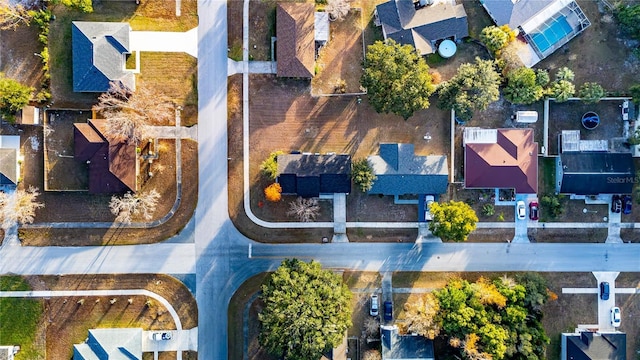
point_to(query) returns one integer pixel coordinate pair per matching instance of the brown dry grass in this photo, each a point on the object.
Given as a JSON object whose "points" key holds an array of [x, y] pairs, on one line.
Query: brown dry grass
{"points": [[65, 322], [17, 59], [67, 208], [341, 58], [174, 75]]}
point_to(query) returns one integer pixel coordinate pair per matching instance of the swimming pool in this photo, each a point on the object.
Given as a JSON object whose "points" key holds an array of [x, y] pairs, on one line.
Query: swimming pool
{"points": [[550, 33]]}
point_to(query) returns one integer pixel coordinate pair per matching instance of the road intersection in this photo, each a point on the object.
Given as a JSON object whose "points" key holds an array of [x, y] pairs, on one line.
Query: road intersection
{"points": [[220, 255]]}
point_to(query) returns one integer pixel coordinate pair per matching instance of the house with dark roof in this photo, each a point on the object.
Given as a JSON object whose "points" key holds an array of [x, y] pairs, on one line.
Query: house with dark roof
{"points": [[404, 347], [9, 165], [310, 175], [295, 43], [500, 159], [400, 171], [422, 26], [586, 345], [99, 51], [594, 172], [112, 164], [544, 25], [111, 344]]}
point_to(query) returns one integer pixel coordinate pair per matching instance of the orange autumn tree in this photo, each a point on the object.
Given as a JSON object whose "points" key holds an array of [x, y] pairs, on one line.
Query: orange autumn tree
{"points": [[273, 192]]}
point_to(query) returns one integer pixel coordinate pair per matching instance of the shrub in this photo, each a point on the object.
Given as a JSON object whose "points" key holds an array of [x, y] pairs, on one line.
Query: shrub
{"points": [[591, 92], [269, 166], [273, 192], [488, 210]]}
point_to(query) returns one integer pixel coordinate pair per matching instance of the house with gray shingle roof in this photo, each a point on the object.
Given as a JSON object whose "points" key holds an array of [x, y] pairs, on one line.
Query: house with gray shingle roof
{"points": [[9, 167], [400, 171], [422, 27], [112, 344], [404, 347], [587, 345], [99, 55], [310, 175], [8, 352]]}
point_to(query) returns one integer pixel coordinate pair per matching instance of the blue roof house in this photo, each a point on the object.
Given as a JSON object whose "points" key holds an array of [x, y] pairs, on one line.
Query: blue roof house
{"points": [[99, 55], [400, 172]]}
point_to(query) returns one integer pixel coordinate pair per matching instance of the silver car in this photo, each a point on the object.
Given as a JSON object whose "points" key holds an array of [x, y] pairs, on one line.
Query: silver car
{"points": [[522, 210], [374, 305]]}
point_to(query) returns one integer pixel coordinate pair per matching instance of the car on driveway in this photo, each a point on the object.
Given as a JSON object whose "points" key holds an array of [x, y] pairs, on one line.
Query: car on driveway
{"points": [[615, 316], [374, 305], [428, 200], [604, 290], [160, 335], [626, 204], [616, 204], [388, 311], [533, 210], [521, 210]]}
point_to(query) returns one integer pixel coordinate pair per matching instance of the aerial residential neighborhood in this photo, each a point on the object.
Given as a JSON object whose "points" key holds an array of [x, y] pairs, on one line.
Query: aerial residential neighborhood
{"points": [[319, 179]]}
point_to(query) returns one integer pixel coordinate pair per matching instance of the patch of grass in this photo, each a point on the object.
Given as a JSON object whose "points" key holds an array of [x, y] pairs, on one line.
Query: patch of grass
{"points": [[235, 51], [131, 61], [19, 318], [435, 59]]}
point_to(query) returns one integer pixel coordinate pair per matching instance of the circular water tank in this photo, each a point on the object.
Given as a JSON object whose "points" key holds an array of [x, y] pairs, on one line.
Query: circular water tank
{"points": [[590, 120], [447, 49]]}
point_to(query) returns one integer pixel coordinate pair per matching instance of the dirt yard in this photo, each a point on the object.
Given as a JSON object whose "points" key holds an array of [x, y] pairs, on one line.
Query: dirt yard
{"points": [[66, 322], [17, 58], [568, 116], [341, 58], [599, 54], [78, 206]]}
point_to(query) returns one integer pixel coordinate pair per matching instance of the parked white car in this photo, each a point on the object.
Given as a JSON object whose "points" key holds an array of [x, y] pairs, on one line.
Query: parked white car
{"points": [[616, 317], [521, 209], [160, 335], [374, 305]]}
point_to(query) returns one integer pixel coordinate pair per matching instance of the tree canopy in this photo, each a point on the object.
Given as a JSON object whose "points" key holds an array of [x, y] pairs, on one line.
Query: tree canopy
{"points": [[13, 97], [629, 18], [452, 221], [397, 79], [525, 86], [499, 319], [474, 87], [306, 311], [362, 174], [269, 167], [496, 38], [591, 92]]}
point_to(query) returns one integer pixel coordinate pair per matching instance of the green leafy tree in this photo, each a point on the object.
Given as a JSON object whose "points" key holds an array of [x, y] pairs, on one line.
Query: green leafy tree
{"points": [[452, 221], [564, 73], [13, 97], [591, 92], [397, 79], [269, 167], [629, 18], [634, 139], [542, 77], [552, 203], [306, 311], [362, 174], [474, 87], [562, 90], [82, 5], [523, 87], [494, 38], [634, 91]]}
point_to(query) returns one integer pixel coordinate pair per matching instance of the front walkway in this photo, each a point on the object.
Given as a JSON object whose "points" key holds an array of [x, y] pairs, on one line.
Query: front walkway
{"points": [[255, 67], [165, 41]]}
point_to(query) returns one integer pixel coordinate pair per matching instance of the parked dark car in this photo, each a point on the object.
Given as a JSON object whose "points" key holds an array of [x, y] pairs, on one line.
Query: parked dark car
{"points": [[616, 204], [533, 210], [626, 204], [388, 310], [604, 290]]}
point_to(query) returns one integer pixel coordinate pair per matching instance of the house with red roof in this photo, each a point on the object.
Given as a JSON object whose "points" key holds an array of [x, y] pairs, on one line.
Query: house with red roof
{"points": [[500, 159], [113, 165]]}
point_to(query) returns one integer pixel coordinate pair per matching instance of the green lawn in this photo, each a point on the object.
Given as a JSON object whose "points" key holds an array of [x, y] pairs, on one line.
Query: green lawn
{"points": [[19, 318]]}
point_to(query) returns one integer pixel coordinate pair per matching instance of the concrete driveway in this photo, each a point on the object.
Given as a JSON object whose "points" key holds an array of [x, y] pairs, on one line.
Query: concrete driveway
{"points": [[604, 306], [182, 340], [165, 41]]}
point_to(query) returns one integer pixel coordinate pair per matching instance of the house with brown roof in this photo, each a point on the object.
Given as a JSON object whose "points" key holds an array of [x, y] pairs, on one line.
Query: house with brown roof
{"points": [[112, 164], [500, 159], [295, 44]]}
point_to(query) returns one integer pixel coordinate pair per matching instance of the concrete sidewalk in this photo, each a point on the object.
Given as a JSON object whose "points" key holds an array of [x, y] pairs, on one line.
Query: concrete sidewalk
{"points": [[165, 41]]}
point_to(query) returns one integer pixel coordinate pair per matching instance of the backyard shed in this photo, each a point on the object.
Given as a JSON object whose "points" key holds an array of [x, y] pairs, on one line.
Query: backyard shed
{"points": [[322, 27]]}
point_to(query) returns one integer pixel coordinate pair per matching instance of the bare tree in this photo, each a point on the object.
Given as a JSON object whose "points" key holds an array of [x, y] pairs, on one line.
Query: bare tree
{"points": [[372, 355], [420, 316], [19, 206], [372, 327], [130, 205], [338, 9], [305, 210], [14, 14], [129, 114]]}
